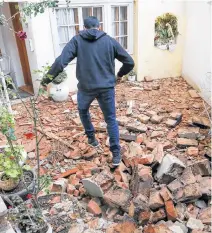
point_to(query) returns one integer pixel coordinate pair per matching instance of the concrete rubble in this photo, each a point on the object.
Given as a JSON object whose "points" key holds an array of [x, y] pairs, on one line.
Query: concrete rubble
{"points": [[164, 181]]}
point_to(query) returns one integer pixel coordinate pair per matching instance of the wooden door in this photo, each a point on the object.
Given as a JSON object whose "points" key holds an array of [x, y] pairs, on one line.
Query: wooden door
{"points": [[28, 87]]}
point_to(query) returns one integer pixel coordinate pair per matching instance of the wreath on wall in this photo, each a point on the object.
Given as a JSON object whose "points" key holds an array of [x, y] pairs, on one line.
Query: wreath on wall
{"points": [[166, 31]]}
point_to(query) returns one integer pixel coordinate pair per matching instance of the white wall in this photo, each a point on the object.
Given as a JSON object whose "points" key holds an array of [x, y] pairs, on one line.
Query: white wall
{"points": [[152, 61], [197, 49], [10, 48]]}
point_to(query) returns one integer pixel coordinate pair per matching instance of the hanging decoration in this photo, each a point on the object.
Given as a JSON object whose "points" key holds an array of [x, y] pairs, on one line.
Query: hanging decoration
{"points": [[166, 32]]}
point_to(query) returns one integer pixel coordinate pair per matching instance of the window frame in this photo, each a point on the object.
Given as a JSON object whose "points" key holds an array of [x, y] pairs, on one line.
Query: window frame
{"points": [[107, 23]]}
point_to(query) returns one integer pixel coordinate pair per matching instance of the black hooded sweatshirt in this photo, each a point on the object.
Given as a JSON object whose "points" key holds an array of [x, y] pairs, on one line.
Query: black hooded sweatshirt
{"points": [[96, 53]]}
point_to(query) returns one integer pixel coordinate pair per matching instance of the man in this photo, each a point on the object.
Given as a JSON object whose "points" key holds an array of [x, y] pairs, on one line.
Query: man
{"points": [[96, 53]]}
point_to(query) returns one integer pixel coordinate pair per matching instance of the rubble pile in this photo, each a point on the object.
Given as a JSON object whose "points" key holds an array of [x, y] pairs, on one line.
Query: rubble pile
{"points": [[164, 181]]}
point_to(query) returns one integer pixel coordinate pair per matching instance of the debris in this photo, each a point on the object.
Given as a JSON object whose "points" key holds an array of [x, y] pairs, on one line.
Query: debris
{"points": [[171, 123], [155, 200], [142, 180], [59, 186], [170, 210], [176, 115], [184, 142], [141, 128], [176, 229], [156, 134], [165, 194], [195, 224], [192, 151], [148, 79], [169, 169], [118, 197], [143, 118], [128, 137], [205, 186], [125, 227], [189, 132], [156, 119], [123, 120], [158, 154], [201, 122], [201, 167], [193, 94], [67, 173], [130, 105], [158, 215], [94, 208], [151, 113], [205, 215], [200, 204]]}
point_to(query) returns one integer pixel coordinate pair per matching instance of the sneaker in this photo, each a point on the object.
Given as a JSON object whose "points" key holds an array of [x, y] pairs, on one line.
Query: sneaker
{"points": [[116, 160], [92, 141]]}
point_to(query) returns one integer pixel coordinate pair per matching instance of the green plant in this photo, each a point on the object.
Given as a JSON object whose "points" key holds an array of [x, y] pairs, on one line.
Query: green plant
{"points": [[46, 78], [7, 124], [132, 73], [27, 218], [10, 161], [166, 28]]}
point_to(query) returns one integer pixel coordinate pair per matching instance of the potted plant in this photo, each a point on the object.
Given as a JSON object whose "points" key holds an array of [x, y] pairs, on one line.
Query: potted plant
{"points": [[57, 89], [26, 217], [132, 76], [12, 157]]}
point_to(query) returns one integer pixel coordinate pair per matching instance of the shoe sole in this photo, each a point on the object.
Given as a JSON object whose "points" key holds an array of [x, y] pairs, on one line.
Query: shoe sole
{"points": [[115, 164]]}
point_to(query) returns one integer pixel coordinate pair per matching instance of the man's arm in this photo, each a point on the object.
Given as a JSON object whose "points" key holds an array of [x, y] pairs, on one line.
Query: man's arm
{"points": [[68, 54], [122, 55]]}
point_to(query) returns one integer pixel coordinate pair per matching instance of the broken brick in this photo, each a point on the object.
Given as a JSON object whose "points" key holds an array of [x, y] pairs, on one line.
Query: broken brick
{"points": [[158, 154], [193, 93], [176, 115], [156, 134], [171, 123], [155, 200], [205, 216], [125, 227], [90, 154], [141, 128], [118, 197], [143, 118], [192, 151], [73, 154], [158, 215], [94, 208], [184, 142], [70, 189], [141, 181], [144, 217], [201, 122], [148, 79], [201, 167], [165, 194], [156, 119], [59, 185], [151, 113], [188, 132], [67, 173], [170, 210]]}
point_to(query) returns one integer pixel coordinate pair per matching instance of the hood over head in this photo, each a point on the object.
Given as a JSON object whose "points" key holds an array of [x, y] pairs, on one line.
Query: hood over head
{"points": [[91, 34]]}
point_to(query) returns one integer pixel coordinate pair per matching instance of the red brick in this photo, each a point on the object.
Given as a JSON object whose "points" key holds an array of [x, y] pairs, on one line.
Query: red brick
{"points": [[155, 200], [165, 194], [170, 210], [158, 215], [144, 217], [70, 189], [94, 208], [193, 151], [67, 173], [73, 180], [125, 227]]}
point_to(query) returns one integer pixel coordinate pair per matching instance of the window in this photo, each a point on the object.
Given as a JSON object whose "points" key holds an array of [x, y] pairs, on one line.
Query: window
{"points": [[120, 25], [67, 24], [93, 11], [115, 19]]}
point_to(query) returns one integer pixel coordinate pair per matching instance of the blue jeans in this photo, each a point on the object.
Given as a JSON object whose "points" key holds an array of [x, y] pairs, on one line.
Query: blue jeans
{"points": [[106, 100]]}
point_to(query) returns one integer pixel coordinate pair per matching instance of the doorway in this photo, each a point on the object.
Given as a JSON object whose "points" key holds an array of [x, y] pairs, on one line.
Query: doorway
{"points": [[22, 51]]}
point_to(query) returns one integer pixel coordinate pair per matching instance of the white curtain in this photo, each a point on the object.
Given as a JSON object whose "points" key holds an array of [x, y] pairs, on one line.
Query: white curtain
{"points": [[65, 23]]}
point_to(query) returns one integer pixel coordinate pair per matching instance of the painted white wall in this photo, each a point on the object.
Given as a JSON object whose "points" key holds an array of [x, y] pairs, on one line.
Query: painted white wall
{"points": [[152, 61], [10, 48], [197, 49]]}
